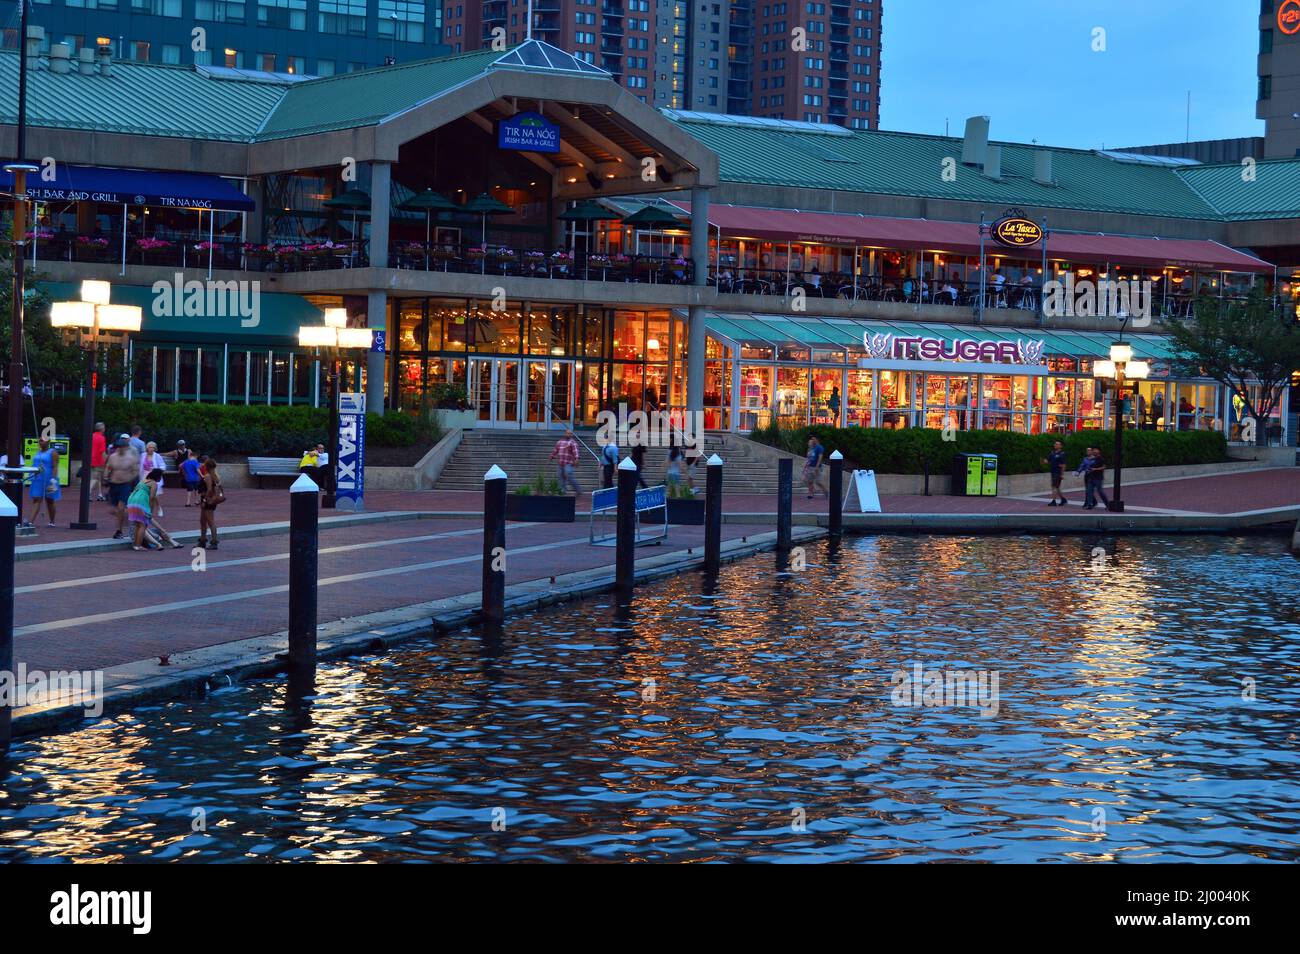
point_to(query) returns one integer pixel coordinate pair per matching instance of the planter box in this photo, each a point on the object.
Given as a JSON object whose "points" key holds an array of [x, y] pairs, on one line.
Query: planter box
{"points": [[455, 420], [540, 508], [688, 513]]}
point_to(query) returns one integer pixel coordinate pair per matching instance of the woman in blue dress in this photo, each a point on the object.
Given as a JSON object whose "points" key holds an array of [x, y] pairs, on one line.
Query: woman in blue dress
{"points": [[45, 482]]}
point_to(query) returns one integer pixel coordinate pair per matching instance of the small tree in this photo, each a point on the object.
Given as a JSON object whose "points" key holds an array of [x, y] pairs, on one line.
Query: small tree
{"points": [[1240, 343]]}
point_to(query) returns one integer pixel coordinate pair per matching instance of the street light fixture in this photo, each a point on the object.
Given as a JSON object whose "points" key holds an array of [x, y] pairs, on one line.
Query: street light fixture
{"points": [[1115, 372], [333, 337], [91, 319]]}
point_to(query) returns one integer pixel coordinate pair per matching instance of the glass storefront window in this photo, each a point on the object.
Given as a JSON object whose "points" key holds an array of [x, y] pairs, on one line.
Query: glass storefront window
{"points": [[792, 396], [410, 383], [189, 376], [258, 378], [857, 404], [1059, 393], [825, 392], [303, 378], [755, 396], [755, 352], [1092, 403], [412, 330], [895, 399], [495, 332], [629, 335], [1197, 407], [548, 330], [236, 376], [280, 378]]}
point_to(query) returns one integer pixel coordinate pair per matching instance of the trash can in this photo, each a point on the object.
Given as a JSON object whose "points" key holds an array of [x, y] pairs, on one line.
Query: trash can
{"points": [[975, 475]]}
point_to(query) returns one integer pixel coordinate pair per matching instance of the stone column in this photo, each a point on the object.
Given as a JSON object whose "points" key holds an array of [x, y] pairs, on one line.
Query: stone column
{"points": [[376, 372], [695, 328], [380, 194]]}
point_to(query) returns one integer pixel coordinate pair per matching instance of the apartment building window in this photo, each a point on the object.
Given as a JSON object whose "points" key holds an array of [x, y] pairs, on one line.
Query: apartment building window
{"points": [[342, 17], [862, 69], [816, 26], [812, 99], [138, 50], [266, 62], [402, 19], [862, 33], [324, 67], [219, 11], [284, 14], [296, 65], [863, 15], [859, 50], [171, 53], [1265, 87], [233, 58], [159, 8], [202, 57], [1265, 41], [713, 100]]}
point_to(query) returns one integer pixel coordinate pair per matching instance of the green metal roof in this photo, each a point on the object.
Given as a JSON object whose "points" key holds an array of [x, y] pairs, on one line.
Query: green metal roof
{"points": [[1267, 190], [792, 155], [349, 100], [140, 98]]}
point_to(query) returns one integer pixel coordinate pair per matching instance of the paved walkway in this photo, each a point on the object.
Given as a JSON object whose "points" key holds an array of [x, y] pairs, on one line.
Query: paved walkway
{"points": [[89, 610]]}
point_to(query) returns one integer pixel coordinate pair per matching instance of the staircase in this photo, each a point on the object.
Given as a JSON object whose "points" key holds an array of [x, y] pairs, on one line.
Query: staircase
{"points": [[749, 468]]}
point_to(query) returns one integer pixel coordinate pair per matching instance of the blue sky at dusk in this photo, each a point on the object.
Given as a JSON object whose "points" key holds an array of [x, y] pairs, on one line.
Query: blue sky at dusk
{"points": [[1029, 64]]}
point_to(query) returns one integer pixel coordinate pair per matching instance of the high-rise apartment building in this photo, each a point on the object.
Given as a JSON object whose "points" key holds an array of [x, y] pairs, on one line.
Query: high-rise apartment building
{"points": [[302, 37], [810, 61], [1278, 99]]}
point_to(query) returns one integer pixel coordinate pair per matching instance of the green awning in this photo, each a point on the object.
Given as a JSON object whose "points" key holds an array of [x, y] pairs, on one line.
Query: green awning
{"points": [[277, 315]]}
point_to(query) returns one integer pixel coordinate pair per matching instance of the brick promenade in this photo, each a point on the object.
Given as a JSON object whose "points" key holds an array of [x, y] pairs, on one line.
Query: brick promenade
{"points": [[93, 610]]}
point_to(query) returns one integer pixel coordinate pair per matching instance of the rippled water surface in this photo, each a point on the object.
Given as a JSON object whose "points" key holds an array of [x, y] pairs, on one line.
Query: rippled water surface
{"points": [[755, 722]]}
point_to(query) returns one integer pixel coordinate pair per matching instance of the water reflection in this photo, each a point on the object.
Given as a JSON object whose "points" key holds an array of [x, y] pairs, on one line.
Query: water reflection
{"points": [[698, 722]]}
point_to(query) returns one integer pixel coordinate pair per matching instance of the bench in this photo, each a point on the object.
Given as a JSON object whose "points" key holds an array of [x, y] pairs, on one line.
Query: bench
{"points": [[260, 467]]}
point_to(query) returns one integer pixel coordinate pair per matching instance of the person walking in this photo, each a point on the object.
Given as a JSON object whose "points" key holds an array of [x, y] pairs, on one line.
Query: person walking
{"points": [[98, 451], [151, 461], [1055, 462], [673, 472], [213, 495], [608, 463], [178, 456], [191, 478], [812, 467], [565, 455], [1094, 480], [45, 482], [121, 473], [638, 458], [137, 442]]}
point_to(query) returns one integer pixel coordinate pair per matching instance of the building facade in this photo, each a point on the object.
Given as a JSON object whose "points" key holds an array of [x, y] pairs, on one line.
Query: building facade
{"points": [[521, 228], [1278, 99], [295, 37], [808, 61]]}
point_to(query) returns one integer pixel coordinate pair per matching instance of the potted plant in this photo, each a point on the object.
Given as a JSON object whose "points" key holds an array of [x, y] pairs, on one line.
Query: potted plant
{"points": [[153, 251], [451, 406], [541, 501], [91, 248], [684, 507], [256, 256]]}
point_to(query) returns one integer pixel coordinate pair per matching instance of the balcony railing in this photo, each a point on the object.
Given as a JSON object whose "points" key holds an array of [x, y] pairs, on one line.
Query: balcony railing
{"points": [[541, 263]]}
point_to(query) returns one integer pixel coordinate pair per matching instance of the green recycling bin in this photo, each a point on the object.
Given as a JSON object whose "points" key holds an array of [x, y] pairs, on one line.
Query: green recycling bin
{"points": [[975, 475]]}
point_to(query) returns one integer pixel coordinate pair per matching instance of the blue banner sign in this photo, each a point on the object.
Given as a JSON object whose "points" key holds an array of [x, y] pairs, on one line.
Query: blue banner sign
{"points": [[349, 491], [652, 498], [528, 132]]}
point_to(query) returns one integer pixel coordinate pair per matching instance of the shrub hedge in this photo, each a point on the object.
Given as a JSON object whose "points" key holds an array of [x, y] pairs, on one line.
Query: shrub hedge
{"points": [[227, 429], [905, 451]]}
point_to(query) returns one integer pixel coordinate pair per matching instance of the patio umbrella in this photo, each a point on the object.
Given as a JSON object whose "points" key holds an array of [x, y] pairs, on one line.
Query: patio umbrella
{"points": [[484, 205], [588, 211], [429, 202], [652, 217], [356, 200]]}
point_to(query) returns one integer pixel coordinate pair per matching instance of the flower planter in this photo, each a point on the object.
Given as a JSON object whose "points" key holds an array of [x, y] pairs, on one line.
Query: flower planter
{"points": [[541, 509], [449, 419], [686, 511]]}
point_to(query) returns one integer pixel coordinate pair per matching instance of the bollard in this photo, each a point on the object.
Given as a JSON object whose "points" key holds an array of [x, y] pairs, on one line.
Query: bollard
{"points": [[784, 493], [837, 494], [494, 546], [713, 514], [8, 526], [304, 540], [625, 544]]}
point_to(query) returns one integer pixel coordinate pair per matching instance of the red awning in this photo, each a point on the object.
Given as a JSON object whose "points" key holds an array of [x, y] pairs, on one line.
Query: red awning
{"points": [[962, 238]]}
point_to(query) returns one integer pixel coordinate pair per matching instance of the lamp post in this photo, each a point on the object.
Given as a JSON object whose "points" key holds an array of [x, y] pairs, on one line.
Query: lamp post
{"points": [[1120, 369], [332, 338], [90, 319], [19, 168]]}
